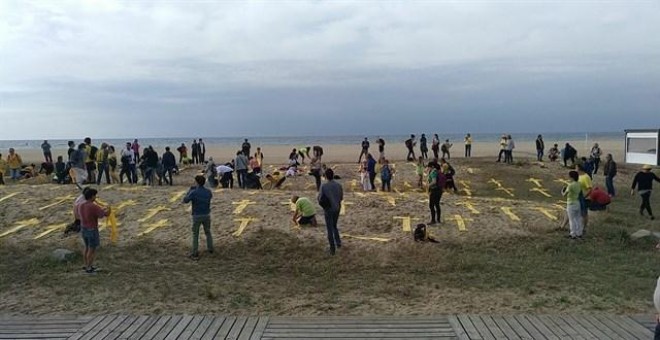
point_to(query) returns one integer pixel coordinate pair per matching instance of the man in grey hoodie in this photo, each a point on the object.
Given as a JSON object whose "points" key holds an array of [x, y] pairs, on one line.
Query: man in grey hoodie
{"points": [[241, 168]]}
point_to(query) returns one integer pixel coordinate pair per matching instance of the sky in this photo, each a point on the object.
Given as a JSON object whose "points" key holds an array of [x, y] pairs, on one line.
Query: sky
{"points": [[282, 68]]}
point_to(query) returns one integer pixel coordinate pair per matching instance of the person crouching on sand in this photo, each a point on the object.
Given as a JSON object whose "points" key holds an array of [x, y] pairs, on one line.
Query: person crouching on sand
{"points": [[305, 212]]}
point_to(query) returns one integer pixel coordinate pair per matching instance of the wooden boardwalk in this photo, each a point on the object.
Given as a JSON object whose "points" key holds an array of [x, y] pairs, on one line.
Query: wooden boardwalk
{"points": [[476, 327]]}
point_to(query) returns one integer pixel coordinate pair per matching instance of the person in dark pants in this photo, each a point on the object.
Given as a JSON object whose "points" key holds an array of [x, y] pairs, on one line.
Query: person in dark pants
{"points": [[423, 148], [365, 149], [595, 156], [48, 156], [386, 176], [371, 170], [410, 144], [435, 191], [329, 198], [609, 170], [195, 152], [643, 181], [102, 164], [540, 146], [60, 170], [569, 153], [468, 146], [315, 170], [200, 197], [169, 164], [202, 151]]}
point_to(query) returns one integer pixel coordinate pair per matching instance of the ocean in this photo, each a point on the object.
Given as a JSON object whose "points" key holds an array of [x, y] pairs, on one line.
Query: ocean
{"points": [[298, 141]]}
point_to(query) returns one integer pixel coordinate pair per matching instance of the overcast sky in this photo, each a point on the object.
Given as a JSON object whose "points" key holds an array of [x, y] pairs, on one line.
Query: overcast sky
{"points": [[218, 68]]}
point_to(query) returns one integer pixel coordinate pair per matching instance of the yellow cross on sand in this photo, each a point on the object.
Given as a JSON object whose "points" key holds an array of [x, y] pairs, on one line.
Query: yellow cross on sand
{"points": [[307, 187], [406, 222], [496, 182], [177, 196], [547, 213], [342, 211], [470, 207], [507, 190], [563, 181], [360, 194], [241, 205], [467, 191], [291, 205], [509, 212], [559, 206], [541, 191], [391, 200], [399, 192], [136, 188], [536, 182], [125, 204], [465, 183], [243, 225], [152, 212], [378, 239], [50, 229], [9, 196], [20, 225], [110, 186], [470, 171], [407, 184], [154, 226], [59, 201], [460, 222], [354, 184]]}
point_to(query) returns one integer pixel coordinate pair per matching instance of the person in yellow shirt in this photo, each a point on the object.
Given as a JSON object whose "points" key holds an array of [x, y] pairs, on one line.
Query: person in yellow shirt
{"points": [[468, 146], [14, 163], [586, 186]]}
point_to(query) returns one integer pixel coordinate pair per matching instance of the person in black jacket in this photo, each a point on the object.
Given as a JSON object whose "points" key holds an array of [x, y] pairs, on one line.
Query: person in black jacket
{"points": [[540, 146], [169, 164], [644, 183], [609, 170], [569, 153]]}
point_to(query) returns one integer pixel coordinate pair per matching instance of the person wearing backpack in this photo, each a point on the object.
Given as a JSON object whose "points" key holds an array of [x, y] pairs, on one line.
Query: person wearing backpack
{"points": [[410, 144], [386, 175], [435, 185]]}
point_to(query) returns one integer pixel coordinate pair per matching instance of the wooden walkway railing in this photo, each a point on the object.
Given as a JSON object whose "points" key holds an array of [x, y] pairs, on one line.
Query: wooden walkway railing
{"points": [[475, 327]]}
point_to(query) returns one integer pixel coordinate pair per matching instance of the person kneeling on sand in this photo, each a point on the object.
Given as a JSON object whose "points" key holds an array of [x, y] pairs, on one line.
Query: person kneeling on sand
{"points": [[305, 212], [90, 213], [599, 199]]}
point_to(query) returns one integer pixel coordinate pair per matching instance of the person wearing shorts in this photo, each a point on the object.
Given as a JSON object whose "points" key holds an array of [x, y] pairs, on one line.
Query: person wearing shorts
{"points": [[89, 213]]}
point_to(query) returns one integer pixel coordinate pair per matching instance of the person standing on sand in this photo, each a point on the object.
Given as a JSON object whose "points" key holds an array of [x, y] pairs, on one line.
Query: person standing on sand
{"points": [[245, 148], [435, 188], [508, 154], [445, 149], [410, 144], [136, 148], [596, 152], [195, 152], [540, 146], [371, 169], [202, 151], [72, 148], [503, 143], [329, 198], [386, 176], [643, 181], [200, 197], [183, 152], [435, 145], [90, 213], [365, 149], [241, 164], [423, 148], [315, 167], [610, 171], [586, 185], [573, 206], [169, 164], [14, 162], [260, 156], [318, 152], [468, 146], [569, 153], [45, 147], [102, 164], [381, 149]]}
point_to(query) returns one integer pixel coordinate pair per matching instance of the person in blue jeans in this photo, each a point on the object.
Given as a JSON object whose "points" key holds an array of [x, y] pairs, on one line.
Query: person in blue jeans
{"points": [[330, 196], [200, 197]]}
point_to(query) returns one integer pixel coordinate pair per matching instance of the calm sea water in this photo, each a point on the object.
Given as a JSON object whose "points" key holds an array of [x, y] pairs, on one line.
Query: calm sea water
{"points": [[298, 141]]}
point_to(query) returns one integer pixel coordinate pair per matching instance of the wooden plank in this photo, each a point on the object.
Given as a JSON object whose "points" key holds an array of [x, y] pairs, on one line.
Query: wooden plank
{"points": [[566, 327], [388, 338], [215, 326], [144, 328], [111, 327], [519, 328], [168, 327], [87, 327], [203, 327], [481, 327], [367, 325], [37, 330], [92, 333], [614, 327], [469, 328], [458, 328], [585, 332], [558, 331], [248, 329], [191, 324], [533, 332], [631, 327], [227, 326], [236, 328], [359, 329], [117, 331], [541, 327], [331, 319], [358, 335], [133, 328], [260, 328], [39, 322], [35, 336], [509, 333], [157, 326], [595, 326], [492, 326]]}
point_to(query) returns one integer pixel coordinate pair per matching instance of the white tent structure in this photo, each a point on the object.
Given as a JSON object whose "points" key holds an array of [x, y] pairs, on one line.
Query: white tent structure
{"points": [[643, 146]]}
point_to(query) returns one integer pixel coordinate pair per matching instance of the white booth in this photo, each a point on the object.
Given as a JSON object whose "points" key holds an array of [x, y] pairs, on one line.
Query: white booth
{"points": [[642, 147]]}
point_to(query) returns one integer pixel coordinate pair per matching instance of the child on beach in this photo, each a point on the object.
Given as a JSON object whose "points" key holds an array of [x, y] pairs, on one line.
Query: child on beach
{"points": [[90, 213], [419, 170], [386, 175], [60, 170], [364, 176]]}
